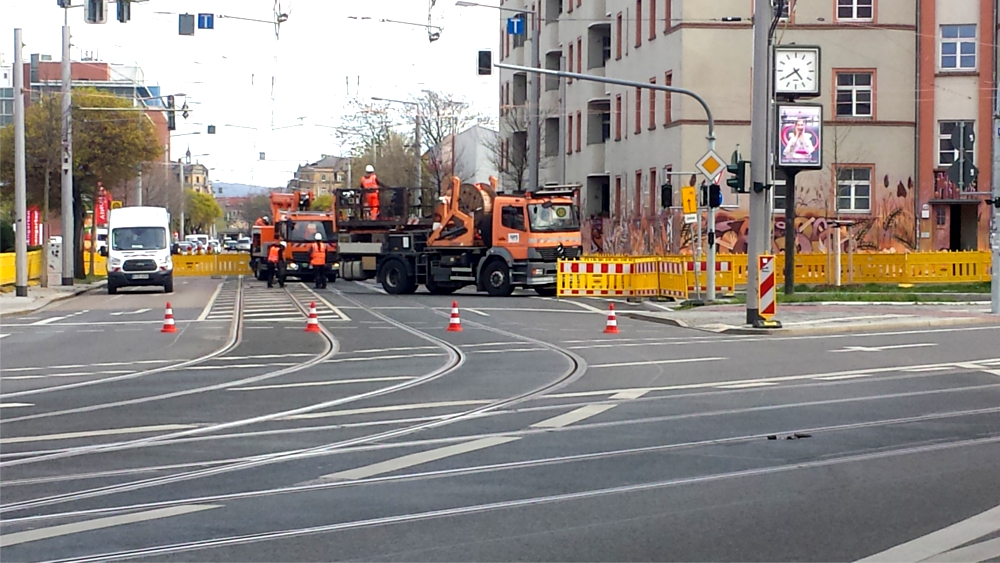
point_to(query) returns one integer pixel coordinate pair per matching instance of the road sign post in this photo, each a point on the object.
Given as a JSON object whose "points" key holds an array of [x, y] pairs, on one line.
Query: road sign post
{"points": [[711, 165]]}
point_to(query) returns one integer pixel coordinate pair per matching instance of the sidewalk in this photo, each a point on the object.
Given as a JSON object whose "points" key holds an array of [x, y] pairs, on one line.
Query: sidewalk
{"points": [[820, 318], [39, 297]]}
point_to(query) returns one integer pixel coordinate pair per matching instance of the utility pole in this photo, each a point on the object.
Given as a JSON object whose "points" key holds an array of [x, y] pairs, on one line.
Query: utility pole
{"points": [[138, 189], [20, 203], [790, 174], [416, 149], [995, 178], [759, 152], [68, 223], [534, 100]]}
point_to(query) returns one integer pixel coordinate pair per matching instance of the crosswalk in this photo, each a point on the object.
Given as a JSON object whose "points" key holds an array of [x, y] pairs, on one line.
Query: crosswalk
{"points": [[274, 305]]}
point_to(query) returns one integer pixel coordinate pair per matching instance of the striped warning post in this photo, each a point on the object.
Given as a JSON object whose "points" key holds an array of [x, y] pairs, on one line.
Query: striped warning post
{"points": [[768, 304]]}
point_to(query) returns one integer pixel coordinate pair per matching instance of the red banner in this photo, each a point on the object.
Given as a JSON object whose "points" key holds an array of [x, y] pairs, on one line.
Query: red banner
{"points": [[34, 227], [101, 205]]}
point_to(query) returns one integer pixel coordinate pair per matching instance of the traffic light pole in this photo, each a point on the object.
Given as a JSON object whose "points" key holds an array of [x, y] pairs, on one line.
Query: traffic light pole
{"points": [[68, 230], [790, 174], [20, 205], [759, 153]]}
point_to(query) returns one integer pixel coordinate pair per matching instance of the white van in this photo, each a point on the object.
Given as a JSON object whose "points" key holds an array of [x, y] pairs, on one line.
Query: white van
{"points": [[139, 248]]}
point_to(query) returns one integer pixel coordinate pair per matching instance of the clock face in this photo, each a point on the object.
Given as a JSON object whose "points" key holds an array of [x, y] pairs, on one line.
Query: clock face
{"points": [[796, 71]]}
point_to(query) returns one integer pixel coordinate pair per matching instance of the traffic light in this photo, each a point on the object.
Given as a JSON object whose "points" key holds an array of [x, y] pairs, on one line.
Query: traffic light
{"points": [[666, 195], [739, 175], [124, 10], [715, 196], [485, 62], [95, 11], [64, 3], [184, 111], [171, 114]]}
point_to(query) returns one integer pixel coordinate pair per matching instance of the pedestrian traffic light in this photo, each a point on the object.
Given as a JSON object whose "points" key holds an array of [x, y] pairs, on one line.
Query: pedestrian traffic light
{"points": [[95, 11], [211, 129], [739, 175], [124, 10], [485, 62], [171, 114], [715, 195], [666, 195]]}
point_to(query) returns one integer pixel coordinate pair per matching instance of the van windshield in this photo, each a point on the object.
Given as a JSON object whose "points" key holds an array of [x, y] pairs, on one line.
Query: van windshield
{"points": [[139, 238], [556, 218]]}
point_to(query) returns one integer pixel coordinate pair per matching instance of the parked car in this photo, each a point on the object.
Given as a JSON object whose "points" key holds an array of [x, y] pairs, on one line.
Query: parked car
{"points": [[243, 245], [230, 244], [214, 246], [183, 247]]}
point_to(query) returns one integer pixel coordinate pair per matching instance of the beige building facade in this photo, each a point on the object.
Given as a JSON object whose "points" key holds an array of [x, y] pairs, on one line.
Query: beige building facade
{"points": [[322, 177], [896, 78]]}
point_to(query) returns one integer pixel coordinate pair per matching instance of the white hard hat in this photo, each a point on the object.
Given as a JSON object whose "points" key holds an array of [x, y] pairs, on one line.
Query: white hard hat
{"points": [[369, 168], [266, 218], [283, 243], [319, 236]]}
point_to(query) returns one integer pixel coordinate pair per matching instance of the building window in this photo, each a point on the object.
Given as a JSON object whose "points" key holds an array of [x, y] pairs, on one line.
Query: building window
{"points": [[958, 46], [854, 190], [569, 135], [569, 63], [637, 205], [668, 106], [579, 131], [618, 117], [855, 10], [652, 20], [618, 197], [579, 55], [605, 125], [638, 111], [605, 49], [946, 152], [940, 215], [638, 22], [618, 47], [667, 15], [652, 189], [855, 94], [652, 105]]}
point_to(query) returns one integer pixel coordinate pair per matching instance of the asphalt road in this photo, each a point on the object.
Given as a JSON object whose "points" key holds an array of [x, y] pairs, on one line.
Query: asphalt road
{"points": [[530, 435]]}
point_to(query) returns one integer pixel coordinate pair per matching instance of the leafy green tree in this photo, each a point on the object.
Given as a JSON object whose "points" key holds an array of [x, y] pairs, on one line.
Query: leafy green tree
{"points": [[202, 211], [322, 203], [108, 147], [256, 207]]}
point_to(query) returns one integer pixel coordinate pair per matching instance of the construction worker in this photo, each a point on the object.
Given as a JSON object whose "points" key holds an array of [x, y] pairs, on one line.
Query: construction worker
{"points": [[262, 222], [275, 264], [370, 185], [317, 259]]}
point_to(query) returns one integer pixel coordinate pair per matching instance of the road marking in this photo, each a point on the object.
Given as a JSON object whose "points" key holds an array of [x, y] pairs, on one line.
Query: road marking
{"points": [[657, 362], [100, 523], [240, 366], [4, 335], [748, 385], [630, 394], [390, 408], [943, 540], [15, 405], [419, 458], [389, 357], [72, 374], [136, 312], [590, 308], [320, 383], [211, 302], [884, 348], [572, 416], [333, 307], [49, 320], [485, 344], [509, 350], [476, 311], [92, 433], [372, 287], [839, 319], [983, 551]]}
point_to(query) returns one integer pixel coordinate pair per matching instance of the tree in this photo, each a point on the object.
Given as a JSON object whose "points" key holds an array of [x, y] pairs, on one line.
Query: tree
{"points": [[393, 161], [509, 151], [367, 127], [322, 203], [441, 115], [255, 207], [108, 146], [202, 210]]}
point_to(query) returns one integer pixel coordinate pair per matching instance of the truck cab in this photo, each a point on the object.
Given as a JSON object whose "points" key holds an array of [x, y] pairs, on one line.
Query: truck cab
{"points": [[138, 250]]}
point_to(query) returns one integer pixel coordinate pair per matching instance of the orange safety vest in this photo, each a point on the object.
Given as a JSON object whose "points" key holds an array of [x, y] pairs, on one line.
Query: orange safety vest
{"points": [[273, 253], [317, 256], [369, 181]]}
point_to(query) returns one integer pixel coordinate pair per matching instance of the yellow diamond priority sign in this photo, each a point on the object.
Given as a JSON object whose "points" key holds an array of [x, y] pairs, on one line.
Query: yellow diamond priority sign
{"points": [[711, 164]]}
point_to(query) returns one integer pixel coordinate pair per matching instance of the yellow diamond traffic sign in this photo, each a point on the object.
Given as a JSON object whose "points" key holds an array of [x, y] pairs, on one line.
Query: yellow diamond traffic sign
{"points": [[710, 165]]}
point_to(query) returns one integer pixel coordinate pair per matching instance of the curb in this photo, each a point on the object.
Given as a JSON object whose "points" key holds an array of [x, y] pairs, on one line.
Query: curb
{"points": [[861, 328], [78, 291]]}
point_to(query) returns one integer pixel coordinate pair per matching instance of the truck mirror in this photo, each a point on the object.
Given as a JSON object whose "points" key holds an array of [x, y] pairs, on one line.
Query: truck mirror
{"points": [[103, 251]]}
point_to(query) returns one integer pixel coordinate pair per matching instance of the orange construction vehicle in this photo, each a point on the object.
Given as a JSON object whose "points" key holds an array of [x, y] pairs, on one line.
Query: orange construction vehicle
{"points": [[293, 222], [475, 236]]}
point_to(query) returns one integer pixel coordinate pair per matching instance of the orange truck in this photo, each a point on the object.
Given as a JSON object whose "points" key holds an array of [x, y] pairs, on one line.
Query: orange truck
{"points": [[293, 222], [474, 237]]}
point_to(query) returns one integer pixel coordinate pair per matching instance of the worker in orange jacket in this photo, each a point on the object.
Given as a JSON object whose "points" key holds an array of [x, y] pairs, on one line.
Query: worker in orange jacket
{"points": [[317, 259], [370, 185], [275, 264]]}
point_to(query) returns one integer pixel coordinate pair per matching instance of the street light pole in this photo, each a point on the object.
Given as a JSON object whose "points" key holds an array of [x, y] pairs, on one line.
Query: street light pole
{"points": [[68, 230], [20, 204], [759, 151]]}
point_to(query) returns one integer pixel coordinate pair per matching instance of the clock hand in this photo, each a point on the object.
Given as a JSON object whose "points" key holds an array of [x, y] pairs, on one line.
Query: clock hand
{"points": [[796, 72]]}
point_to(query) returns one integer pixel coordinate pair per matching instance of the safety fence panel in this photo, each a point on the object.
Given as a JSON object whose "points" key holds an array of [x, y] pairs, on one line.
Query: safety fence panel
{"points": [[645, 277], [725, 276], [938, 267], [577, 279], [8, 267], [213, 265], [673, 278]]}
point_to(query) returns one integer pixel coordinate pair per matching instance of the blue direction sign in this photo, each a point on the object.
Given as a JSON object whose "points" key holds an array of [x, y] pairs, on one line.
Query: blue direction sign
{"points": [[515, 26], [206, 21]]}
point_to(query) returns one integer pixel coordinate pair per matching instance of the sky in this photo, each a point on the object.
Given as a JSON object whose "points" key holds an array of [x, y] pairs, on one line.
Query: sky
{"points": [[321, 59]]}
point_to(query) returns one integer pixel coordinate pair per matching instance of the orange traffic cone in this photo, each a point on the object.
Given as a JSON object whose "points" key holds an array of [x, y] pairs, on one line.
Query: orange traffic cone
{"points": [[168, 320], [612, 326], [455, 323], [312, 325]]}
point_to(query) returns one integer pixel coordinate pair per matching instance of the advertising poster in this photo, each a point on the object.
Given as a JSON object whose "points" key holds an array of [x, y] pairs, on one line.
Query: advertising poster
{"points": [[103, 203], [800, 134]]}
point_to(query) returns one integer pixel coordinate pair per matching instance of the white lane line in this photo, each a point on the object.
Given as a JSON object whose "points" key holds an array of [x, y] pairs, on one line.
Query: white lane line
{"points": [[940, 541], [932, 368], [77, 366], [72, 374], [509, 350], [975, 553], [418, 458], [136, 312], [884, 348], [100, 523], [15, 405], [630, 394], [572, 416], [211, 302], [4, 335], [321, 383], [658, 362], [92, 433], [239, 366], [485, 344], [49, 320], [590, 308], [476, 311], [390, 408], [840, 319], [333, 308], [748, 385], [374, 288], [389, 357]]}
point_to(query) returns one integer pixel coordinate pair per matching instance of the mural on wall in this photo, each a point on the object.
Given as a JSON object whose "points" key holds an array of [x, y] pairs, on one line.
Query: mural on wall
{"points": [[890, 227]]}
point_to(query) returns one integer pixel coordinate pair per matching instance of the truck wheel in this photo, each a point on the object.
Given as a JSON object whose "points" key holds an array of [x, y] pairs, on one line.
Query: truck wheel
{"points": [[112, 289], [495, 277], [395, 280], [546, 291], [442, 288], [168, 286]]}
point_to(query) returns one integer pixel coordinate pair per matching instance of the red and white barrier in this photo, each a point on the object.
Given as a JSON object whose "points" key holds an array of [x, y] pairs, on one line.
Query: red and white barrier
{"points": [[767, 307]]}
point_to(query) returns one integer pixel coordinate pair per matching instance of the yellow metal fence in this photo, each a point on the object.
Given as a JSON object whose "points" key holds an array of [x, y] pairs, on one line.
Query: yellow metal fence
{"points": [[208, 265], [8, 272], [674, 276]]}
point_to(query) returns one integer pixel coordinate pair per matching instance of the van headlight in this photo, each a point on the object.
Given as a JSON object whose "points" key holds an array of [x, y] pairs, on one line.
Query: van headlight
{"points": [[116, 262]]}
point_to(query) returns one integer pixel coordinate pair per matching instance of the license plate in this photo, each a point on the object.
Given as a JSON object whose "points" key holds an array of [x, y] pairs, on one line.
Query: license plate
{"points": [[140, 276]]}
